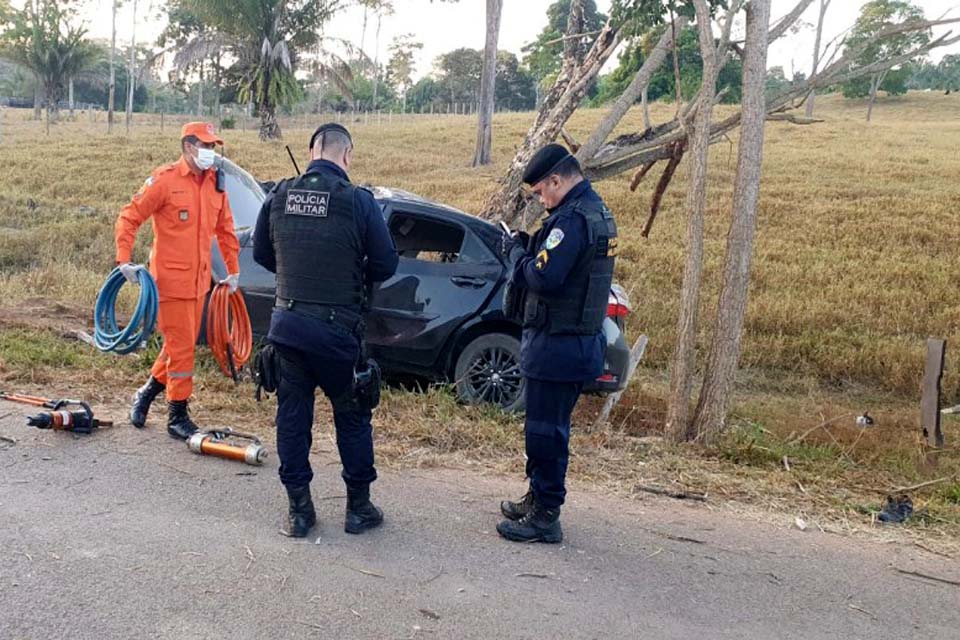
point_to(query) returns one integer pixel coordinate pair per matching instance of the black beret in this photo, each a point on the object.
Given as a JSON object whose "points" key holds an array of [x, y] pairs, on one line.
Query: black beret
{"points": [[327, 128], [544, 162]]}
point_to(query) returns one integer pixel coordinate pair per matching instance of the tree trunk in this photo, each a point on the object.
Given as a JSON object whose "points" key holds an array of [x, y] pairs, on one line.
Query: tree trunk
{"points": [[363, 34], [132, 71], [376, 61], [70, 96], [37, 101], [269, 128], [645, 104], [725, 348], [633, 91], [875, 83], [509, 202], [481, 155], [200, 93], [111, 97], [683, 368], [816, 55], [218, 82]]}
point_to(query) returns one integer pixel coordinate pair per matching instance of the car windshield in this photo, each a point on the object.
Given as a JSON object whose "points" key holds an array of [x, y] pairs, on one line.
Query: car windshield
{"points": [[245, 196]]}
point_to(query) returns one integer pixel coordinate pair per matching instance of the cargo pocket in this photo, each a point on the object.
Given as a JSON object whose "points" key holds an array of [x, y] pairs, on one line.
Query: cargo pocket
{"points": [[543, 440]]}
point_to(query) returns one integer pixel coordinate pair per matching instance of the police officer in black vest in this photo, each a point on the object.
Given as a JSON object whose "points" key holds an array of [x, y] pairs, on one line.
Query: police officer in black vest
{"points": [[559, 289], [327, 241]]}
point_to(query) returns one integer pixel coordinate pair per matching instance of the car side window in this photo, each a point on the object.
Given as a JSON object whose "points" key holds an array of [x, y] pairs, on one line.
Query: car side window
{"points": [[422, 238]]}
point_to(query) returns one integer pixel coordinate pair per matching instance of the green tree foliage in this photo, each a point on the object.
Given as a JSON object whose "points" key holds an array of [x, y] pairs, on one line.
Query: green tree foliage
{"points": [[401, 66], [424, 94], [544, 55], [267, 38], [662, 85], [875, 16], [41, 37], [459, 81], [515, 88], [943, 76]]}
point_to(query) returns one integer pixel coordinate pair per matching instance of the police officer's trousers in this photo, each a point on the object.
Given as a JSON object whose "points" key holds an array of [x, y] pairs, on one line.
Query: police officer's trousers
{"points": [[547, 431], [300, 374]]}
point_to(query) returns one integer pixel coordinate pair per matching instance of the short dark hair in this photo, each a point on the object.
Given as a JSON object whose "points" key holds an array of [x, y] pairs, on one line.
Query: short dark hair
{"points": [[189, 139], [332, 134], [569, 167]]}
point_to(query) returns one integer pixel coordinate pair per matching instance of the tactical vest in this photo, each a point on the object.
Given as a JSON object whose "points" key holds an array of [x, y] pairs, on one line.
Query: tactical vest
{"points": [[313, 227], [581, 305]]}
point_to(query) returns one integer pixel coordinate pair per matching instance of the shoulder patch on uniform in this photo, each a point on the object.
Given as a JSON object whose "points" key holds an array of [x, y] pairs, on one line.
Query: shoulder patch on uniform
{"points": [[554, 239], [148, 181], [542, 259]]}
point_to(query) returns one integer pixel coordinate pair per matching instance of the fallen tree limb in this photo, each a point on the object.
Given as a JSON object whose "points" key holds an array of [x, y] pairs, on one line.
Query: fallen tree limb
{"points": [[672, 493]]}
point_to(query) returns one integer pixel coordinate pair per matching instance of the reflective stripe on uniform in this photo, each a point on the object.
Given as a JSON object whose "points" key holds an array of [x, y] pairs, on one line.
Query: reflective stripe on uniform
{"points": [[180, 374]]}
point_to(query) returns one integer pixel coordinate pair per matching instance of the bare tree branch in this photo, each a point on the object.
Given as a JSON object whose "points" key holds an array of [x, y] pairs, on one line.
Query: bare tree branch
{"points": [[630, 95]]}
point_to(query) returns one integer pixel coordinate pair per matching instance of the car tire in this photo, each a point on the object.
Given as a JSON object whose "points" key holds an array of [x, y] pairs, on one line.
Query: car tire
{"points": [[488, 370]]}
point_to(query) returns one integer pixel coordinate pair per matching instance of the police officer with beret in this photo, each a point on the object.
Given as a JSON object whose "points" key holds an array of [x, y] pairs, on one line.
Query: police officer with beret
{"points": [[559, 289], [327, 241]]}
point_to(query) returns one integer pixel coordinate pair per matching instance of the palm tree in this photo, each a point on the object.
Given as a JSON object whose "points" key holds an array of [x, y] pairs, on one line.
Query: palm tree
{"points": [[41, 39], [267, 38]]}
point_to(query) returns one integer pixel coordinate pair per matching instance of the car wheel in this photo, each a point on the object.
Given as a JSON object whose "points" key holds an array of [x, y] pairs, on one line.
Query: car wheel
{"points": [[488, 370]]}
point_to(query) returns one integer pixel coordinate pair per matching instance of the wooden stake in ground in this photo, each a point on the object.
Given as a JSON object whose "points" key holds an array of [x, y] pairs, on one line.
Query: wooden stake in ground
{"points": [[930, 404]]}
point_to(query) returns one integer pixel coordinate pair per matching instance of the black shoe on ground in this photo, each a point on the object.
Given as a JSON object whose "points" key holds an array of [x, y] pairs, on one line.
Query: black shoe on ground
{"points": [[518, 509], [142, 400], [301, 516], [179, 424], [361, 513], [539, 525]]}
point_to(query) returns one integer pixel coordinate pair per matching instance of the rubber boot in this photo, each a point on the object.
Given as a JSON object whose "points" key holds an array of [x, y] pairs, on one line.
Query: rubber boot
{"points": [[361, 513], [179, 424], [142, 400], [301, 516], [518, 509], [539, 525]]}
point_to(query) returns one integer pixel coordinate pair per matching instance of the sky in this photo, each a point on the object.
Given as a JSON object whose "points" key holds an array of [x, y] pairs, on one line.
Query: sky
{"points": [[442, 27]]}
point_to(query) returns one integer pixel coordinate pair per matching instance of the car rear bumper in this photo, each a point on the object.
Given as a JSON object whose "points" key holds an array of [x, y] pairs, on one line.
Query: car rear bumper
{"points": [[616, 363]]}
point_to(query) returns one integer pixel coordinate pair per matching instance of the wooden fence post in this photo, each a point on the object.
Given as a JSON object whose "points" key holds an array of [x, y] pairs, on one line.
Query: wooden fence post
{"points": [[930, 404]]}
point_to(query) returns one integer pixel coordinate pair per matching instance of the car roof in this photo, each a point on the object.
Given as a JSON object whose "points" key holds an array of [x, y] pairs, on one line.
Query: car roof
{"points": [[488, 231]]}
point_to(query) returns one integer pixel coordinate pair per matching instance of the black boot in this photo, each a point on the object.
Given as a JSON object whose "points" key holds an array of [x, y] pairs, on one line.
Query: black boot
{"points": [[539, 525], [179, 424], [518, 509], [301, 516], [361, 513], [142, 400]]}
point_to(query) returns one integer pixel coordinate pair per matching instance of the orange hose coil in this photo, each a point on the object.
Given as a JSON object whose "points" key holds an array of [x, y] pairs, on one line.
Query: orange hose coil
{"points": [[229, 333]]}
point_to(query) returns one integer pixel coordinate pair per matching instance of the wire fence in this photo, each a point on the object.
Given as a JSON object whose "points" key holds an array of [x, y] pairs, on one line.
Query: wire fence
{"points": [[92, 118]]}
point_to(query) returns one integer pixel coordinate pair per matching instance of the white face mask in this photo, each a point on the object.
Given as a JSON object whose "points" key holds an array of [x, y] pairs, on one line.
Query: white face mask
{"points": [[205, 158]]}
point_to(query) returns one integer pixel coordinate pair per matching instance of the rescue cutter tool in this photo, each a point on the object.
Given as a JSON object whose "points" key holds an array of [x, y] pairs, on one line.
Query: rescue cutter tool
{"points": [[224, 443]]}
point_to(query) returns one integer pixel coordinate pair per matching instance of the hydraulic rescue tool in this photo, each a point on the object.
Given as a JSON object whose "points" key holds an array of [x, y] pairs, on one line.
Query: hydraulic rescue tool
{"points": [[223, 443], [59, 418]]}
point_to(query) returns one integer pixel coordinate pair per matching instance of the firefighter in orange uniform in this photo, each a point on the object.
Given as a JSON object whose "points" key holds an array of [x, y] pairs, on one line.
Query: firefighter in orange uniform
{"points": [[187, 211]]}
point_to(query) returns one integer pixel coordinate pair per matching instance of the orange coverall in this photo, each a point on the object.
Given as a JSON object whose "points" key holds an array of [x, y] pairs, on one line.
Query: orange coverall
{"points": [[186, 211]]}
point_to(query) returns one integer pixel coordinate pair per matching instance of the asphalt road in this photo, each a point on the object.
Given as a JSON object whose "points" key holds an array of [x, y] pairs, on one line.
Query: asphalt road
{"points": [[126, 534]]}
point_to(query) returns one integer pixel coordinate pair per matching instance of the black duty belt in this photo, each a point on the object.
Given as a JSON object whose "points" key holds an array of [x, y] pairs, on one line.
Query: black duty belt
{"points": [[340, 316]]}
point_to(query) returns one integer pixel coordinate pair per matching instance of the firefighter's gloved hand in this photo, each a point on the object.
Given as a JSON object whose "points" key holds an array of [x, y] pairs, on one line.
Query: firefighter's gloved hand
{"points": [[514, 245], [129, 271], [232, 281]]}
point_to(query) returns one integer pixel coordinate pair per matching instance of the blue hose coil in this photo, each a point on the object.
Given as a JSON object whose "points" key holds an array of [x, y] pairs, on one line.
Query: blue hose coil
{"points": [[107, 334]]}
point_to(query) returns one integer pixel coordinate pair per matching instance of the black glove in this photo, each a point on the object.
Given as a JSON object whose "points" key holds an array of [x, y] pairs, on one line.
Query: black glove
{"points": [[514, 245]]}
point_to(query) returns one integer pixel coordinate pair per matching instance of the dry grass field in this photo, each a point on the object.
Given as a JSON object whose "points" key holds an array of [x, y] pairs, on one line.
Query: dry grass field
{"points": [[855, 266]]}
